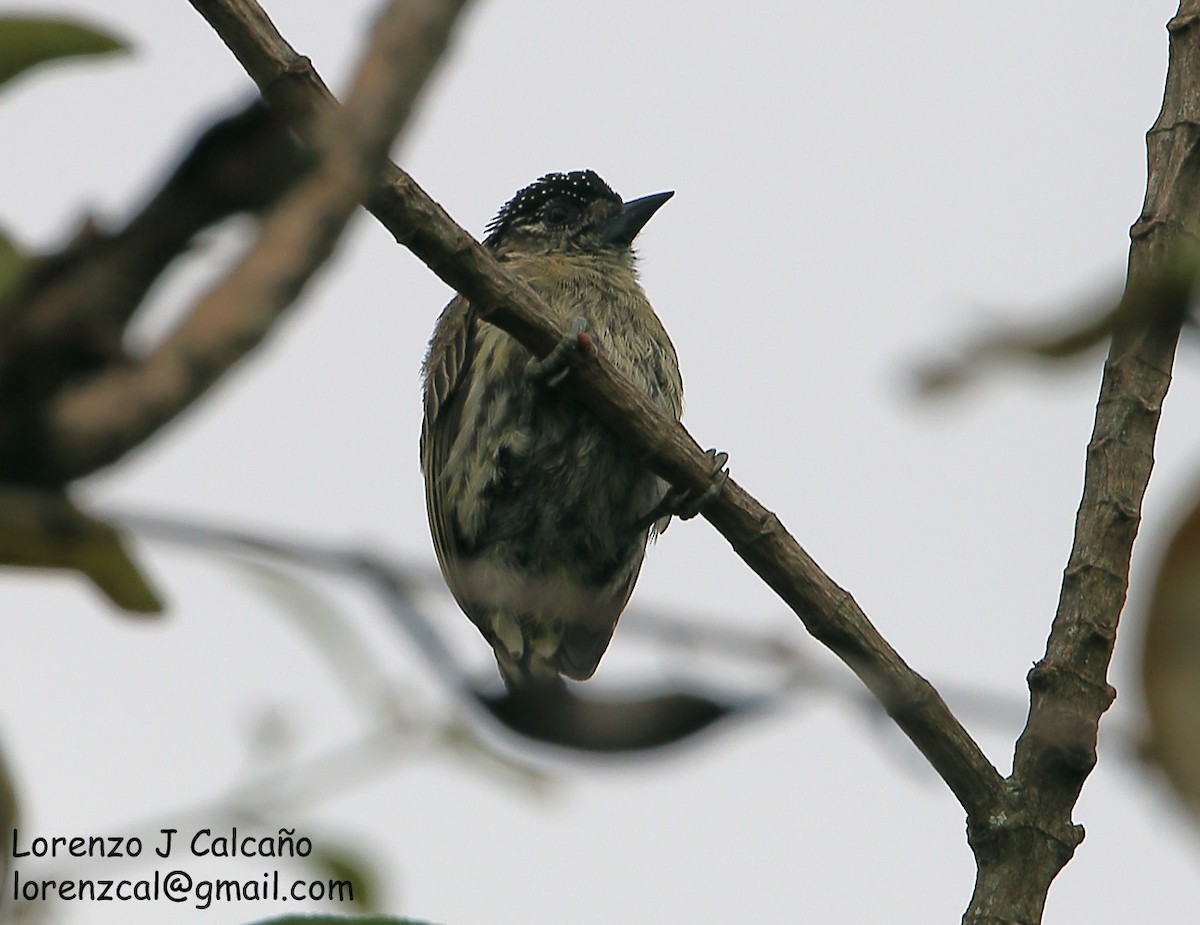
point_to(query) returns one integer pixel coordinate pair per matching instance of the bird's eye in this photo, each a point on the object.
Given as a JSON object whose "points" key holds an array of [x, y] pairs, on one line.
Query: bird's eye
{"points": [[559, 213]]}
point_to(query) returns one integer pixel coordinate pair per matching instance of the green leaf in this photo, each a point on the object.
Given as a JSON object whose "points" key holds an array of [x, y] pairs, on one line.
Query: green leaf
{"points": [[25, 43], [12, 266], [344, 863], [45, 530]]}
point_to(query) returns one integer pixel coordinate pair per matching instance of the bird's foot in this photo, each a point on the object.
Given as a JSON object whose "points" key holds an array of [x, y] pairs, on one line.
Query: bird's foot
{"points": [[552, 369], [686, 504]]}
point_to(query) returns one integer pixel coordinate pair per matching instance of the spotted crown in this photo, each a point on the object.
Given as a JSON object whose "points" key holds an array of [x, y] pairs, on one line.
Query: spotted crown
{"points": [[582, 186]]}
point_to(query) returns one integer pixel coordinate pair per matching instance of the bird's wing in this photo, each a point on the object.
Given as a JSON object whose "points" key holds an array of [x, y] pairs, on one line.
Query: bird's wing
{"points": [[447, 372], [585, 638]]}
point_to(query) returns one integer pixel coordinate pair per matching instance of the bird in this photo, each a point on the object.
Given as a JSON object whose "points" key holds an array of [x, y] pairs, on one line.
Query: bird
{"points": [[540, 517]]}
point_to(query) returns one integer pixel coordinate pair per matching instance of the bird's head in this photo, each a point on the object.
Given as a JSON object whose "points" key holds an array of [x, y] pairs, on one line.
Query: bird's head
{"points": [[565, 212]]}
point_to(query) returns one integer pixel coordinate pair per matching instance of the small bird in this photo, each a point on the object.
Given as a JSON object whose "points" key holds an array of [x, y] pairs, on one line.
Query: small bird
{"points": [[540, 517]]}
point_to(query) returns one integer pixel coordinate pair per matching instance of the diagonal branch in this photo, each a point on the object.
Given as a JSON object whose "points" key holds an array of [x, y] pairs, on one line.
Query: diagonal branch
{"points": [[828, 612], [98, 421]]}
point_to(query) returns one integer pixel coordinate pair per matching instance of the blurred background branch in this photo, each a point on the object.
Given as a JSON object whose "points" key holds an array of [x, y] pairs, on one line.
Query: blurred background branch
{"points": [[773, 671]]}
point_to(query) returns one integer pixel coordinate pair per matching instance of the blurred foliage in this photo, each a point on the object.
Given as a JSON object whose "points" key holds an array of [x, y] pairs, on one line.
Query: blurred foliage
{"points": [[26, 42], [1171, 664], [8, 815], [1088, 324], [45, 530], [13, 264], [343, 862]]}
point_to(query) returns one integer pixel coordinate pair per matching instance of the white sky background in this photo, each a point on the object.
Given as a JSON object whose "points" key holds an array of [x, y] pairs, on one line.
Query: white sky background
{"points": [[855, 192]]}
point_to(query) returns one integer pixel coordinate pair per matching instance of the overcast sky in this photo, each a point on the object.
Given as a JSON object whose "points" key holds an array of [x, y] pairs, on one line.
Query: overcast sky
{"points": [[857, 189]]}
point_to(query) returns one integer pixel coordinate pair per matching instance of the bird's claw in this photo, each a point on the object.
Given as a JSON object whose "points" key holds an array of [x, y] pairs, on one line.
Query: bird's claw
{"points": [[685, 504], [552, 369]]}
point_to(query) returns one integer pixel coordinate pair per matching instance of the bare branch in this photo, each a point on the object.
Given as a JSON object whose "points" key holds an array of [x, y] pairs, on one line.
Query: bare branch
{"points": [[97, 422], [1020, 852], [828, 612]]}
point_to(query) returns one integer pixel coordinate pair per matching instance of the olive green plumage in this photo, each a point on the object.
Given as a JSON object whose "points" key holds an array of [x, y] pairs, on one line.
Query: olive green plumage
{"points": [[538, 513]]}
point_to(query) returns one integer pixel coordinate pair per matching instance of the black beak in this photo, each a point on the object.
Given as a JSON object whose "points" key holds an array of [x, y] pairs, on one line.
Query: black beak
{"points": [[623, 227]]}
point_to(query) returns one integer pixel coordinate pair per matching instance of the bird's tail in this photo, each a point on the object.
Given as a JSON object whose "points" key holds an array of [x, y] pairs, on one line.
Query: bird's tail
{"points": [[527, 660], [529, 672]]}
